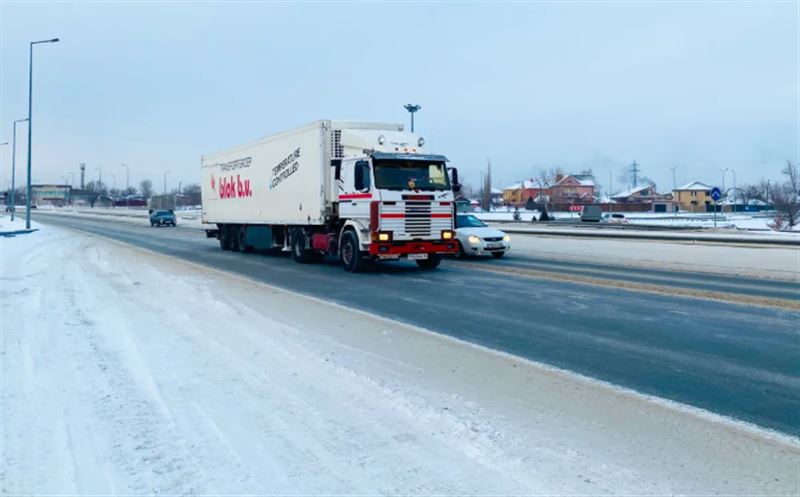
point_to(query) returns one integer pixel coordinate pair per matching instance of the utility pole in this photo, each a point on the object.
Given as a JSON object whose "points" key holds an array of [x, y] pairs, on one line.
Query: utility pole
{"points": [[83, 174], [635, 173], [674, 183], [412, 109], [14, 168], [610, 176], [723, 178], [1, 169], [165, 181], [127, 176]]}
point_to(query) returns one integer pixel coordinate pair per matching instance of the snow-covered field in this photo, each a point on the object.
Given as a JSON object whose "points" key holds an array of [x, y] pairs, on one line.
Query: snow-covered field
{"points": [[125, 372]]}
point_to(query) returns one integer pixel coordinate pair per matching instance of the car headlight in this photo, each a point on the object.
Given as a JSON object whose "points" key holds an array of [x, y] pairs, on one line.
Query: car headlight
{"points": [[506, 238], [473, 240]]}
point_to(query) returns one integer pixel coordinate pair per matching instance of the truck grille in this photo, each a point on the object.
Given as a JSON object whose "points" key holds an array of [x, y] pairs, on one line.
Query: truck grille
{"points": [[412, 220]]}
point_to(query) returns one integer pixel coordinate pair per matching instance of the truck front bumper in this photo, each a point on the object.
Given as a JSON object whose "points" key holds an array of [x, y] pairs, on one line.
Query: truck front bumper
{"points": [[397, 249]]}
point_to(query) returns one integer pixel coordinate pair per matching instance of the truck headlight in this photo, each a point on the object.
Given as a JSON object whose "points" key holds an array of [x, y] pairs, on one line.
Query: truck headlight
{"points": [[447, 234], [506, 238], [474, 240], [382, 236]]}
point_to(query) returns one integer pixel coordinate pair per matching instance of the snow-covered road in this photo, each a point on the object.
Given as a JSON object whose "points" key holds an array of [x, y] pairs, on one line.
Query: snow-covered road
{"points": [[128, 372]]}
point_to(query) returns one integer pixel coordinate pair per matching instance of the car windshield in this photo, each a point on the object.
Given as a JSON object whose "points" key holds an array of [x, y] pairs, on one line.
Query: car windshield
{"points": [[394, 174], [469, 222]]}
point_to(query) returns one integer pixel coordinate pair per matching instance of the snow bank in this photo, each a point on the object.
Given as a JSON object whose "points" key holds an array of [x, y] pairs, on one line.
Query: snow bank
{"points": [[758, 261], [125, 372], [738, 221]]}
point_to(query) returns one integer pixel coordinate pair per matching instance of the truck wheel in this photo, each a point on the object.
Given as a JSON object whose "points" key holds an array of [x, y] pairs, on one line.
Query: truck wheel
{"points": [[242, 238], [432, 262], [232, 233], [350, 254], [224, 240], [299, 252]]}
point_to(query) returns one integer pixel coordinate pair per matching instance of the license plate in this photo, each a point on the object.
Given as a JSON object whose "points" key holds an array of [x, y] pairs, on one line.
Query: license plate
{"points": [[494, 245], [417, 257]]}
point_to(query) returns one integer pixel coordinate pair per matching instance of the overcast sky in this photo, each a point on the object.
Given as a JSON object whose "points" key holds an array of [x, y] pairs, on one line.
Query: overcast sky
{"points": [[698, 86]]}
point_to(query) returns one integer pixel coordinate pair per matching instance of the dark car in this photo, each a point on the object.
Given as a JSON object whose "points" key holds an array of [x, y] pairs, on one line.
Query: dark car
{"points": [[591, 214], [162, 218]]}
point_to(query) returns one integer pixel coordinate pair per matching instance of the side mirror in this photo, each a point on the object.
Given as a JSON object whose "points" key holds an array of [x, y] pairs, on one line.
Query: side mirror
{"points": [[361, 177], [454, 180]]}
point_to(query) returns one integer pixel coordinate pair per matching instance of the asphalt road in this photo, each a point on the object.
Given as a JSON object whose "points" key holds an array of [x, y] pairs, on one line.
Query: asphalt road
{"points": [[741, 361]]}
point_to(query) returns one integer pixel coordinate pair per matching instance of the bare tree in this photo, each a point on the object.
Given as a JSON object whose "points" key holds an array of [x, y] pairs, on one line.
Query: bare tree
{"points": [[193, 192], [786, 197], [486, 197], [146, 187]]}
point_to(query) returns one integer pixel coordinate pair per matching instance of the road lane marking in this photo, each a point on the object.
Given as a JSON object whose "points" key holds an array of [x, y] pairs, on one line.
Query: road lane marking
{"points": [[735, 298]]}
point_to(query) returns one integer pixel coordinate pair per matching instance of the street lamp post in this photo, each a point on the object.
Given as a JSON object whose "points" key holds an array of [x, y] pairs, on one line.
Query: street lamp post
{"points": [[30, 128], [724, 171], [14, 167], [1, 169], [412, 109], [127, 175], [165, 181]]}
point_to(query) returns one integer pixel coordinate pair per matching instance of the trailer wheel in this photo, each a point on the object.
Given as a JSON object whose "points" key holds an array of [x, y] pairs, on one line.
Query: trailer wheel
{"points": [[232, 234], [224, 239], [242, 239], [299, 252], [350, 254], [432, 262]]}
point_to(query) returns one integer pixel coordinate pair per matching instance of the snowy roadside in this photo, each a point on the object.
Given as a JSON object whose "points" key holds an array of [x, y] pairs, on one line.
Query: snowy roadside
{"points": [[186, 218], [127, 372], [756, 261]]}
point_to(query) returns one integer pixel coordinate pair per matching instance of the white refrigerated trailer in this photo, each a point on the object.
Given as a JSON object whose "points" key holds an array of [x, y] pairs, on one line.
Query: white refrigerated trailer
{"points": [[358, 191]]}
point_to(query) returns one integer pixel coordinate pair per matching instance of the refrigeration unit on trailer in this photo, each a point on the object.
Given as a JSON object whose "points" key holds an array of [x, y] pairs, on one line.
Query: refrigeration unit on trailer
{"points": [[359, 191]]}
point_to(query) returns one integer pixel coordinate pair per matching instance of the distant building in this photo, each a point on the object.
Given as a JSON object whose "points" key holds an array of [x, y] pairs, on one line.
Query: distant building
{"points": [[517, 194], [751, 205], [573, 189], [694, 197], [646, 194], [58, 195]]}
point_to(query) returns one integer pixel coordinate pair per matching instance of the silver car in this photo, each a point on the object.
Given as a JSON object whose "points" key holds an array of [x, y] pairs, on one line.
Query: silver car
{"points": [[474, 237]]}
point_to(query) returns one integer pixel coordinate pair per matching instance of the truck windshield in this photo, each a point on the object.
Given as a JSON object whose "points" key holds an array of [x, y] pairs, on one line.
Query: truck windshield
{"points": [[394, 174]]}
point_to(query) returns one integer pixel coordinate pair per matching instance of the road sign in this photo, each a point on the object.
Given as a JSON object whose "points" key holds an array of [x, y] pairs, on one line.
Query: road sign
{"points": [[716, 193]]}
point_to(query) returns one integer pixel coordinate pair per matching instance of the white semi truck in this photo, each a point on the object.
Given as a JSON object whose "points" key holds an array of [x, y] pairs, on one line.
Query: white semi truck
{"points": [[358, 191]]}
